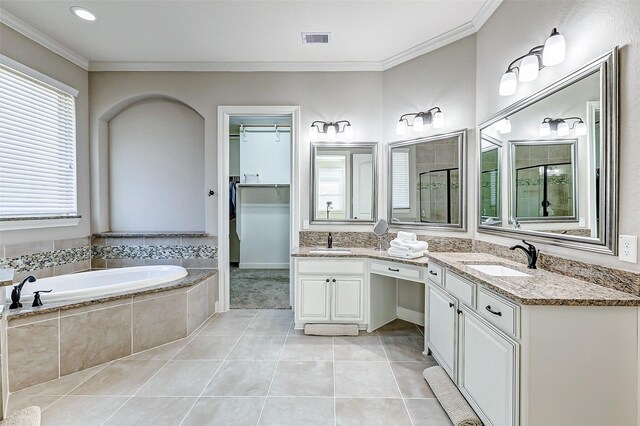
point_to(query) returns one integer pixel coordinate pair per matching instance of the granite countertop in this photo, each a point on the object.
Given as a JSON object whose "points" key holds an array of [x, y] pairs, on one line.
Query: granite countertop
{"points": [[357, 252], [540, 288], [194, 276], [151, 234]]}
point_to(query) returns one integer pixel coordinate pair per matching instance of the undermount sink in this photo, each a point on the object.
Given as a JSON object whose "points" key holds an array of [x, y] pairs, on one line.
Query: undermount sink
{"points": [[330, 251], [498, 271]]}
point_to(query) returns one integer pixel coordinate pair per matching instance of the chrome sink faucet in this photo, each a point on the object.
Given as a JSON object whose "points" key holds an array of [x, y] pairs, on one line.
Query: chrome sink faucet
{"points": [[530, 251]]}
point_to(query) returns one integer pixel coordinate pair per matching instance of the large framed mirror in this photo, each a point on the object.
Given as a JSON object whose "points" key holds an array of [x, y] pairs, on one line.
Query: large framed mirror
{"points": [[548, 163], [426, 182], [343, 182]]}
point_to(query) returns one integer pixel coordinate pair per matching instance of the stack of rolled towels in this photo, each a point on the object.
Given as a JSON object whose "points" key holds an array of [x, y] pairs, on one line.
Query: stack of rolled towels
{"points": [[407, 246]]}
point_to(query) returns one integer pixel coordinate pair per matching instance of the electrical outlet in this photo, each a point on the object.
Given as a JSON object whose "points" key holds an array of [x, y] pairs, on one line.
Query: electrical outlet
{"points": [[628, 248], [305, 224]]}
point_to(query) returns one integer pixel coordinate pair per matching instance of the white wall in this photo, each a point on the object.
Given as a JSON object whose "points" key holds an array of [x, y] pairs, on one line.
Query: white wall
{"points": [[156, 168], [33, 55], [591, 28]]}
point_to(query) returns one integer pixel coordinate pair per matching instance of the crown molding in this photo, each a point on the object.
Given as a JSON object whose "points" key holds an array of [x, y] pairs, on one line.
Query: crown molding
{"points": [[487, 9], [97, 66], [28, 31]]}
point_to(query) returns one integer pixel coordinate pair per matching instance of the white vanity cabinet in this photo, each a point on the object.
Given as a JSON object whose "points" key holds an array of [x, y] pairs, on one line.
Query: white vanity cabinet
{"points": [[329, 290], [441, 328]]}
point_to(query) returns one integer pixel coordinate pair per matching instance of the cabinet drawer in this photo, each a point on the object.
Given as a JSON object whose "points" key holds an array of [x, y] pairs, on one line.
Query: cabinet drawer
{"points": [[435, 273], [396, 270], [462, 289], [331, 267], [498, 311]]}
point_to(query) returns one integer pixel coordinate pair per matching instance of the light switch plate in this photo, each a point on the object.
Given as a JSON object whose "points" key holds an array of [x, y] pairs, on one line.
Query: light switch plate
{"points": [[628, 248], [305, 224]]}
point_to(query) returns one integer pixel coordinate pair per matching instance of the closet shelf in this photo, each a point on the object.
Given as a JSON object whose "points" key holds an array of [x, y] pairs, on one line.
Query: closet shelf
{"points": [[263, 185]]}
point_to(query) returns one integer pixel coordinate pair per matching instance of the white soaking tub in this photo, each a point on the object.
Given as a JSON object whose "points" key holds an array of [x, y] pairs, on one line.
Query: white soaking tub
{"points": [[87, 285]]}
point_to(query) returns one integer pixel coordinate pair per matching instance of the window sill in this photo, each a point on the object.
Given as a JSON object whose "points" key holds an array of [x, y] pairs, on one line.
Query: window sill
{"points": [[38, 222]]}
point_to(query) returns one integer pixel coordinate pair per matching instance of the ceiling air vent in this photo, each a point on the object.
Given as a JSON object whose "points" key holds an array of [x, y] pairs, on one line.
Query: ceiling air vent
{"points": [[316, 38]]}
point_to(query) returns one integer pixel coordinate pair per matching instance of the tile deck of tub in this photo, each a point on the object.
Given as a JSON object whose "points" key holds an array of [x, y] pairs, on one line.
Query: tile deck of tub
{"points": [[250, 367]]}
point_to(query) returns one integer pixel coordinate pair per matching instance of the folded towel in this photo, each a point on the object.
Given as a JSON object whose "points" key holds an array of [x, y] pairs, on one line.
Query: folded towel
{"points": [[454, 404], [404, 255], [407, 236], [412, 246]]}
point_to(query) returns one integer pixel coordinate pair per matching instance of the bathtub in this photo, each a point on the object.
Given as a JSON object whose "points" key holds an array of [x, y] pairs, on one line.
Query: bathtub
{"points": [[85, 285]]}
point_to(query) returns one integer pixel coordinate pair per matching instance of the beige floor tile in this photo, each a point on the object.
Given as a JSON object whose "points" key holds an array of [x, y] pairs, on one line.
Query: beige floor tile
{"points": [[81, 410], [303, 378], [180, 378], [308, 348], [242, 378], [427, 412], [239, 313], [263, 348], [236, 411], [18, 402], [371, 412], [224, 326], [63, 385], [298, 411], [404, 348], [360, 348], [410, 380], [161, 353], [207, 348], [275, 313], [152, 412], [119, 378], [365, 380], [399, 328], [268, 327]]}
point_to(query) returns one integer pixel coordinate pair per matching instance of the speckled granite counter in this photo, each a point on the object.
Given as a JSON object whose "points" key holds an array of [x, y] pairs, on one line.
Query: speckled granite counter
{"points": [[540, 288], [150, 234], [356, 252], [194, 276]]}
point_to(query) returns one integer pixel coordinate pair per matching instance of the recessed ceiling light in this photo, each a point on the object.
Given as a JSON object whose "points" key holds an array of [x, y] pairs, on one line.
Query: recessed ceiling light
{"points": [[83, 13]]}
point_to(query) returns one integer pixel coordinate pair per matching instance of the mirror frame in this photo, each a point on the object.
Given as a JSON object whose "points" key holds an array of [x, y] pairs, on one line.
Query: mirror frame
{"points": [[607, 242], [462, 205], [498, 144], [512, 180], [312, 183]]}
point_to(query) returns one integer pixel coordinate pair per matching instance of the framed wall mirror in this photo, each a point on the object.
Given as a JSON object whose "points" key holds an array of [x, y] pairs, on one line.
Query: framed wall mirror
{"points": [[343, 182], [426, 182], [548, 163]]}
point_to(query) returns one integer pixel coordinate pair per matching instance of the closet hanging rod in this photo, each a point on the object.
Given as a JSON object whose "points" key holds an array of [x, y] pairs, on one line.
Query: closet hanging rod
{"points": [[263, 185], [265, 128]]}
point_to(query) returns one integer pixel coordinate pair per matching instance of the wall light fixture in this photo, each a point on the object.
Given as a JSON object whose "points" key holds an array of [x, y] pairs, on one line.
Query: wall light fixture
{"points": [[433, 116], [331, 129]]}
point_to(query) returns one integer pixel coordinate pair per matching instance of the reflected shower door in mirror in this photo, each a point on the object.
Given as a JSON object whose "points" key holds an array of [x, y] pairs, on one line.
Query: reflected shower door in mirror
{"points": [[425, 181], [561, 160], [343, 182]]}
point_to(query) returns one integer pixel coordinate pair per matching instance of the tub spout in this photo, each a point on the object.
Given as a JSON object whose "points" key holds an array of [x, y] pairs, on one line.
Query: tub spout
{"points": [[17, 290]]}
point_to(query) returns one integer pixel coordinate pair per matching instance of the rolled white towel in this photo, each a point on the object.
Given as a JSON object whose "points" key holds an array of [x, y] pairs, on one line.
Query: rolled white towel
{"points": [[413, 246], [405, 255], [407, 236]]}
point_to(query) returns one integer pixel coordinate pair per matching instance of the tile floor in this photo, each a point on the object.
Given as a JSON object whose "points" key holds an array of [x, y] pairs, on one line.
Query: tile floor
{"points": [[250, 367]]}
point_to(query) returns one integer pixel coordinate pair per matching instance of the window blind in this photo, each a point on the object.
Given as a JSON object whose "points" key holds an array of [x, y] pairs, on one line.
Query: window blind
{"points": [[37, 148], [400, 180]]}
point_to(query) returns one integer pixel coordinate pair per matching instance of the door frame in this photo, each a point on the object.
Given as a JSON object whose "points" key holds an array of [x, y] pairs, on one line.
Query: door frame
{"points": [[224, 114]]}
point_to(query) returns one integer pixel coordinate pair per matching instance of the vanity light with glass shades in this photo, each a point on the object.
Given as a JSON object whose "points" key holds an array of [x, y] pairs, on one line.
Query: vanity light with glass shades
{"points": [[550, 174]]}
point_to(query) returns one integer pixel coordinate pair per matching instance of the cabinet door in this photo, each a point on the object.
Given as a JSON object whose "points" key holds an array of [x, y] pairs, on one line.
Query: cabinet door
{"points": [[313, 302], [441, 328], [348, 299], [488, 370]]}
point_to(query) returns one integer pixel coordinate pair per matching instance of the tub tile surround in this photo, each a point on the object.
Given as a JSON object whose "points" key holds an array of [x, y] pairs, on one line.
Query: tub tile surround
{"points": [[56, 341], [616, 279], [217, 386]]}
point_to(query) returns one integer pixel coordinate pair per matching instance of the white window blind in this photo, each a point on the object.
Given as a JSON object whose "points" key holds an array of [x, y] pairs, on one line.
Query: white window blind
{"points": [[400, 179], [37, 147]]}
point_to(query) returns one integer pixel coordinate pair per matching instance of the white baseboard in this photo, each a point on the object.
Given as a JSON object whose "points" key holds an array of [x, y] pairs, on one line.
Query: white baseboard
{"points": [[264, 265], [409, 315]]}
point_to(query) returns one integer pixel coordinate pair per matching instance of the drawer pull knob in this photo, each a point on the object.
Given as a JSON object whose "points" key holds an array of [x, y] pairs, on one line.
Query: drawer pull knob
{"points": [[488, 308], [394, 270], [433, 273], [450, 305], [334, 280], [327, 279], [459, 311]]}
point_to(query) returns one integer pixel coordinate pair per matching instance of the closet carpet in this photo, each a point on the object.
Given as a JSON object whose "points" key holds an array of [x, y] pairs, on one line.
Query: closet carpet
{"points": [[259, 288]]}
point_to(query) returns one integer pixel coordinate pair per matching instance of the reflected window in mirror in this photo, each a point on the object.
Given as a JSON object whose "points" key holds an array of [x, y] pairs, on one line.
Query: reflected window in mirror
{"points": [[343, 182], [425, 181], [559, 150]]}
